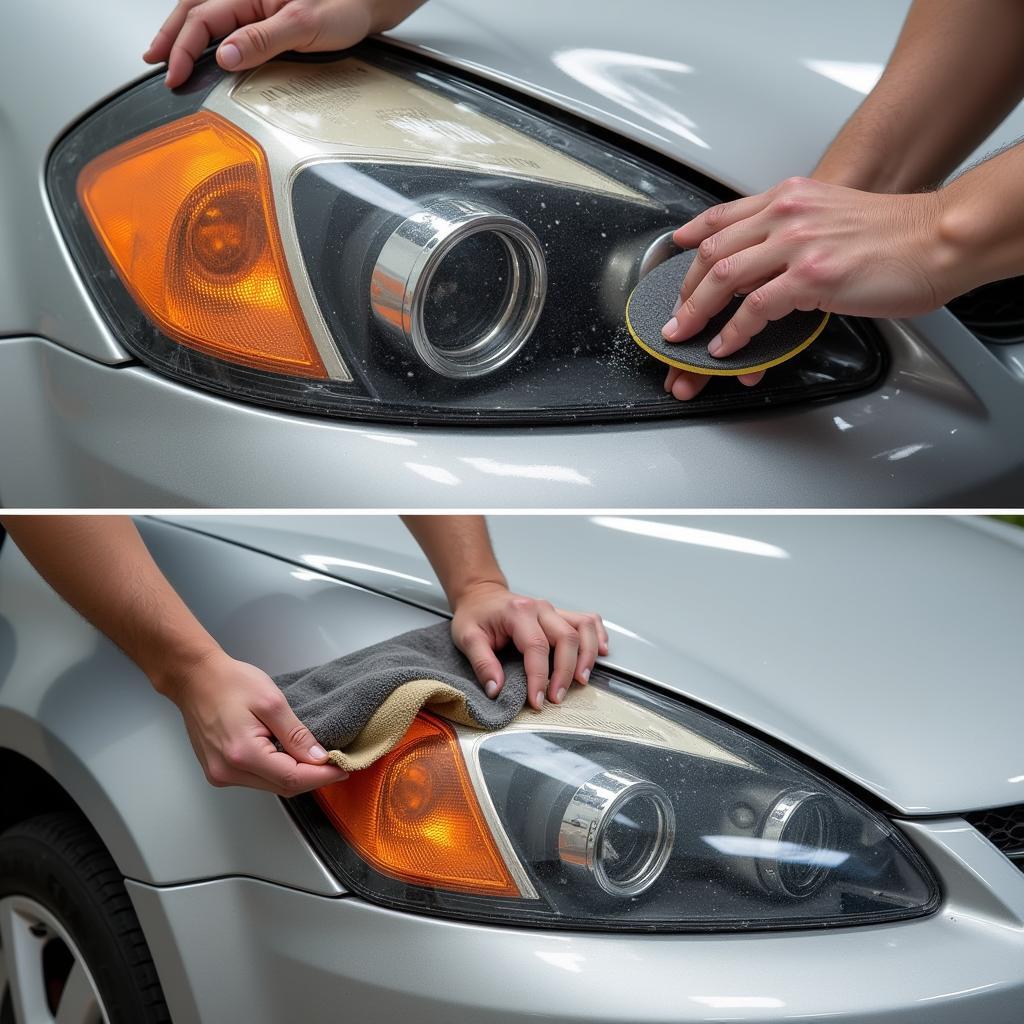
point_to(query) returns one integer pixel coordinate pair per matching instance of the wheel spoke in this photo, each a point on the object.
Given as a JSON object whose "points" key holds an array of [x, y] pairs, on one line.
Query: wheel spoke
{"points": [[23, 961], [78, 1001]]}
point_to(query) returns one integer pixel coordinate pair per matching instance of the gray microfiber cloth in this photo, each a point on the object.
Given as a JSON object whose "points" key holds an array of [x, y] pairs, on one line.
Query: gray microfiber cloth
{"points": [[358, 707]]}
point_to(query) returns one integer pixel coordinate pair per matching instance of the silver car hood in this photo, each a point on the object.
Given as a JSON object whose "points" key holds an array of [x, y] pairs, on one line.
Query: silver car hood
{"points": [[746, 93], [886, 648]]}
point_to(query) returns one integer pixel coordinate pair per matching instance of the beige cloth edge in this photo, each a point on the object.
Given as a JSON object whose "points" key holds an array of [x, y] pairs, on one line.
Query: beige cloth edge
{"points": [[390, 722]]}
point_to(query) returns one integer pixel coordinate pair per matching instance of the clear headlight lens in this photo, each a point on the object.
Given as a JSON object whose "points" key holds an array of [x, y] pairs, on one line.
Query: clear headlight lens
{"points": [[367, 236], [619, 810]]}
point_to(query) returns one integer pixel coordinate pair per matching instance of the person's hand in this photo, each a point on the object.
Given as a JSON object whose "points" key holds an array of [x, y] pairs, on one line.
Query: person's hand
{"points": [[684, 384], [232, 712], [257, 30], [488, 616], [806, 245]]}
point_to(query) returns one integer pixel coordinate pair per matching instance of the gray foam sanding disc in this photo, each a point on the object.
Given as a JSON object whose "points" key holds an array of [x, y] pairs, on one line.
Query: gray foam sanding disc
{"points": [[651, 305]]}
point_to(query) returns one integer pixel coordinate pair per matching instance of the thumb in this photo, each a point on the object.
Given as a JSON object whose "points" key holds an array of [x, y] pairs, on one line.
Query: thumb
{"points": [[293, 736], [476, 646], [296, 26], [291, 28]]}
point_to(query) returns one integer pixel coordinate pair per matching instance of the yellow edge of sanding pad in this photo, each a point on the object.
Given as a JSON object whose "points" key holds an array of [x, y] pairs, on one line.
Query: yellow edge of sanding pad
{"points": [[659, 290], [705, 371]]}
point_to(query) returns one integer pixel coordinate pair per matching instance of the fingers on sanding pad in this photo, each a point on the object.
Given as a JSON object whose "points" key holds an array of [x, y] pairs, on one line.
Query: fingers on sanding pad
{"points": [[651, 305]]}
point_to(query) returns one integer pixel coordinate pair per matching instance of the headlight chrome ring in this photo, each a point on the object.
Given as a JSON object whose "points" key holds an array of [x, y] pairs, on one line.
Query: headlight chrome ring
{"points": [[620, 830], [409, 297], [805, 821]]}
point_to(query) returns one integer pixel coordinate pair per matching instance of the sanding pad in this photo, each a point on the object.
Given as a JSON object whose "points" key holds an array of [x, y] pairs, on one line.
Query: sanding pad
{"points": [[651, 305]]}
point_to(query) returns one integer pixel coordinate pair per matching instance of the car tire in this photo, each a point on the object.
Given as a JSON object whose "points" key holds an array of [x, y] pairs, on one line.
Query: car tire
{"points": [[69, 926]]}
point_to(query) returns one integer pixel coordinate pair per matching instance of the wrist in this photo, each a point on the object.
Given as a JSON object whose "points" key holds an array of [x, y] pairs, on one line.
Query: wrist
{"points": [[961, 241], [863, 177], [173, 671], [841, 173], [866, 157], [475, 587], [855, 159]]}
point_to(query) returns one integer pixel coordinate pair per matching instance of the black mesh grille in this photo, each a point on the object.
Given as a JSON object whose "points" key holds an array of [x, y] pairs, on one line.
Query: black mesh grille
{"points": [[1004, 827], [994, 312]]}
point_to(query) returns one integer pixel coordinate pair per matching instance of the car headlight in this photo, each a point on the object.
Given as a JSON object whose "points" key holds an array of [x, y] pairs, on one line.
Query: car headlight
{"points": [[369, 236], [620, 810]]}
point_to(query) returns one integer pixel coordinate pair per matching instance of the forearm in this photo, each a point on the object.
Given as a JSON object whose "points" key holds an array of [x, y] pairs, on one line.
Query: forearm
{"points": [[101, 567], [954, 75], [459, 551], [982, 220]]}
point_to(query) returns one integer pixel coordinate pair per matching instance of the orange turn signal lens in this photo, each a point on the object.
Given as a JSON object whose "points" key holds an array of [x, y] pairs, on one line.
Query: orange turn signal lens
{"points": [[413, 815], [185, 213]]}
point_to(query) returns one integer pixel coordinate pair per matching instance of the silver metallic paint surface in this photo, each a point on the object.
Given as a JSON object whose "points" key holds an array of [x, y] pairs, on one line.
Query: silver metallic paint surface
{"points": [[315, 955], [98, 436], [933, 434], [880, 646]]}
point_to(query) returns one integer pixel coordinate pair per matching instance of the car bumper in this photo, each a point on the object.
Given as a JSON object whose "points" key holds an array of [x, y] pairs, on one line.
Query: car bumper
{"points": [[241, 949], [74, 432]]}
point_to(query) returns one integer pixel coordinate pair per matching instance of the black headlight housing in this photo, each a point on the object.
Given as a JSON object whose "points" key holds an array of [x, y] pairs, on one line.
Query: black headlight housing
{"points": [[994, 312], [530, 230], [621, 810]]}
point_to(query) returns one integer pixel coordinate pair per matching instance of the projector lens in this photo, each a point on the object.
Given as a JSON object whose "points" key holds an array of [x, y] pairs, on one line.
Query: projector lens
{"points": [[803, 825], [463, 285], [619, 829], [468, 295]]}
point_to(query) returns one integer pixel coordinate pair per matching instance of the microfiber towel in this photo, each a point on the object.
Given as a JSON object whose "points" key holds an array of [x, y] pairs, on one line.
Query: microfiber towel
{"points": [[358, 707]]}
